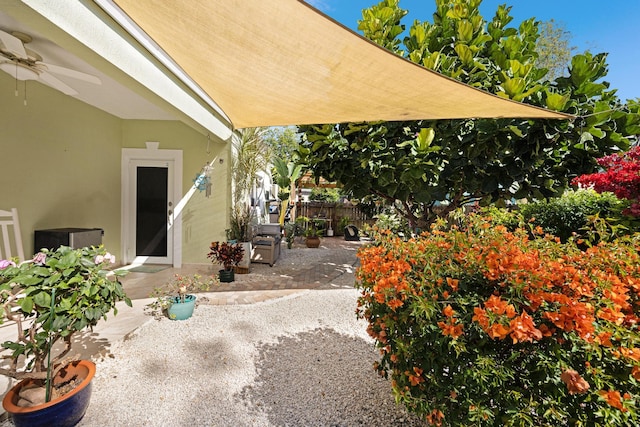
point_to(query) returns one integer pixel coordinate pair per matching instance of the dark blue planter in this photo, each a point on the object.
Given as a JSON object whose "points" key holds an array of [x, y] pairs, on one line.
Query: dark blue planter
{"points": [[182, 310], [65, 411]]}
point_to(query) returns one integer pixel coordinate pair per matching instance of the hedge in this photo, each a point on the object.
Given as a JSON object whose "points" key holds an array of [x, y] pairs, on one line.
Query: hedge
{"points": [[479, 325]]}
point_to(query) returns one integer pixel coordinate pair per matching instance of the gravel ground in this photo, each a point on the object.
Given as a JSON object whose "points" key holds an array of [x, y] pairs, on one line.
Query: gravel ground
{"points": [[302, 360]]}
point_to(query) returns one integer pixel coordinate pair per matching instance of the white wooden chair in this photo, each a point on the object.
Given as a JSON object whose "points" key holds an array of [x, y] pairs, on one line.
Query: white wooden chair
{"points": [[9, 225]]}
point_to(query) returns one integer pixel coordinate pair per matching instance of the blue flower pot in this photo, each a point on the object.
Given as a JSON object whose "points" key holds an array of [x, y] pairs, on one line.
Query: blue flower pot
{"points": [[65, 411], [182, 310]]}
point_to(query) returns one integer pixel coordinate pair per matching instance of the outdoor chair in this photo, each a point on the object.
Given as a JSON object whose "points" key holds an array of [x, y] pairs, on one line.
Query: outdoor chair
{"points": [[11, 237], [266, 244]]}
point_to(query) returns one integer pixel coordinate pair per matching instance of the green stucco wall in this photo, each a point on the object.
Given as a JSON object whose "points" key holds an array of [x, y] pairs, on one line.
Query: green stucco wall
{"points": [[60, 165]]}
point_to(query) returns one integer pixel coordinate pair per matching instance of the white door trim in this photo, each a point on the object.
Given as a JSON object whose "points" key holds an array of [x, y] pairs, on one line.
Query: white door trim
{"points": [[174, 160]]}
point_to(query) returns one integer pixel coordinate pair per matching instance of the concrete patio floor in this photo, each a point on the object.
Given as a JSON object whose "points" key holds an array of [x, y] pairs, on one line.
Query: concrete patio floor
{"points": [[330, 266]]}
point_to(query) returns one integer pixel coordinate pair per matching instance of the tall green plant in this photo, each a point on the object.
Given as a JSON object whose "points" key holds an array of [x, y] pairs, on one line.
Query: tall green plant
{"points": [[252, 156], [241, 223], [286, 174]]}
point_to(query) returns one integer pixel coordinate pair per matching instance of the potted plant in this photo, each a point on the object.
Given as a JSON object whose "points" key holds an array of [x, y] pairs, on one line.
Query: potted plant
{"points": [[50, 298], [290, 233], [312, 232], [177, 298], [241, 222], [227, 254]]}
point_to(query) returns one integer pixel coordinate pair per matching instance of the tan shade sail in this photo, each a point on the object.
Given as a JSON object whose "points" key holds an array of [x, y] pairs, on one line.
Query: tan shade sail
{"points": [[281, 62]]}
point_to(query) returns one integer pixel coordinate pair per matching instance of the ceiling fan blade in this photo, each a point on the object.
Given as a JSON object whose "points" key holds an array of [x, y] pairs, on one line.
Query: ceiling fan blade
{"points": [[56, 69], [56, 84], [12, 45]]}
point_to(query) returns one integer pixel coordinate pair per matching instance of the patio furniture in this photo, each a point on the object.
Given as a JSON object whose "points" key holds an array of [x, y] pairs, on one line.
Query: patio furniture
{"points": [[266, 244], [9, 225]]}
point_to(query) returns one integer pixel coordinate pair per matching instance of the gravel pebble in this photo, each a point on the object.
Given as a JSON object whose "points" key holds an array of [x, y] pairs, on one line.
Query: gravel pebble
{"points": [[301, 360]]}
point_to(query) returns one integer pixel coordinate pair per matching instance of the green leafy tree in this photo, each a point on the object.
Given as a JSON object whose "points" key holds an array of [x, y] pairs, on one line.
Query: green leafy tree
{"points": [[553, 48], [283, 141], [417, 165]]}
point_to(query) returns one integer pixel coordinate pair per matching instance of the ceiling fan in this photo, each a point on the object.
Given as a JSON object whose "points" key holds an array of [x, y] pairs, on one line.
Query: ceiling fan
{"points": [[25, 64]]}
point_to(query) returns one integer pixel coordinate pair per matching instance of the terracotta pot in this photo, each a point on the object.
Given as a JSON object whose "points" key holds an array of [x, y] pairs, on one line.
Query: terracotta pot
{"points": [[66, 410], [313, 242]]}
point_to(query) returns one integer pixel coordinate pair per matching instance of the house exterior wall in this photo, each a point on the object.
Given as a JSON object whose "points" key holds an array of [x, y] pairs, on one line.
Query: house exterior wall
{"points": [[204, 219], [60, 166]]}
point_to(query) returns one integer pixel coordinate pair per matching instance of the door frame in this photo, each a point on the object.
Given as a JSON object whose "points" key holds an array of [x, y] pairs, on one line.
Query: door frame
{"points": [[173, 158]]}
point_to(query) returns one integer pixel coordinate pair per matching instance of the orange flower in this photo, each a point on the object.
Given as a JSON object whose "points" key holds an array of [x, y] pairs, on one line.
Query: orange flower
{"points": [[546, 331], [635, 372], [575, 383], [604, 338], [395, 303], [497, 305], [481, 317], [416, 377], [453, 283], [613, 398], [451, 328], [498, 330], [523, 329], [631, 353], [435, 417], [448, 311]]}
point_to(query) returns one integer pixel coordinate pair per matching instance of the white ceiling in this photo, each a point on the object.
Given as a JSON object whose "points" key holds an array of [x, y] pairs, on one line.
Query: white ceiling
{"points": [[111, 96]]}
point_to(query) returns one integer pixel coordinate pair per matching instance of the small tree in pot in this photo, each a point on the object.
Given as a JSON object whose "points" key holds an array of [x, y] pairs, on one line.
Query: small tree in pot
{"points": [[227, 254], [312, 231], [50, 298]]}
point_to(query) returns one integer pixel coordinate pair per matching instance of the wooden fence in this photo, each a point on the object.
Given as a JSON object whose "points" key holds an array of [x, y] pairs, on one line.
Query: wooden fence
{"points": [[336, 215]]}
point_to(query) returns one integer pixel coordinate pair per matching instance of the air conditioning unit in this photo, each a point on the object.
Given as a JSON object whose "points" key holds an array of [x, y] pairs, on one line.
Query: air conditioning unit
{"points": [[73, 237]]}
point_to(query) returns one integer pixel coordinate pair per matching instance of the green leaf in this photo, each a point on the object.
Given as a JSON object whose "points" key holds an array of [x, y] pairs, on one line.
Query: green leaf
{"points": [[464, 53], [42, 299], [425, 138], [26, 304], [586, 136], [556, 102], [465, 31], [514, 87], [598, 133]]}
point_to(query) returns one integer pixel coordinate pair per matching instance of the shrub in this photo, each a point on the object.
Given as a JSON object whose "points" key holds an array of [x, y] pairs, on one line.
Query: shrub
{"points": [[569, 214], [579, 213], [621, 177], [393, 222], [477, 325]]}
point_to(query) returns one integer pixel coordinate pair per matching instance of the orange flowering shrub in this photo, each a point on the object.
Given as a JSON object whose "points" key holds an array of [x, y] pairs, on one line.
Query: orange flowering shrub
{"points": [[480, 326]]}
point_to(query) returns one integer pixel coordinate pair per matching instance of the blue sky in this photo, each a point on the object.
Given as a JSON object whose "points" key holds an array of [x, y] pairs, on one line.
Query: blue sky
{"points": [[611, 26]]}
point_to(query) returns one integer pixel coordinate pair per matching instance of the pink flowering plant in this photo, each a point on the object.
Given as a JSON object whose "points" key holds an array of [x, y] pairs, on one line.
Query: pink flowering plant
{"points": [[50, 298]]}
